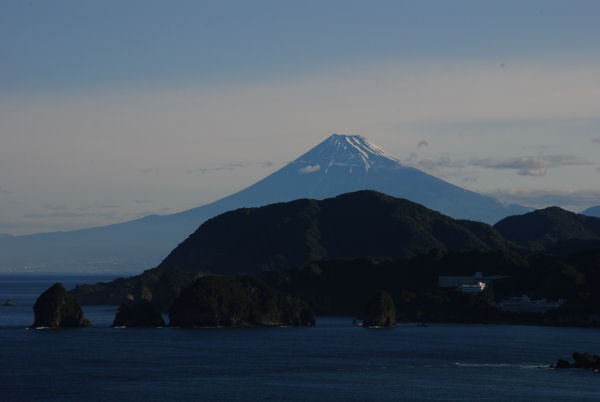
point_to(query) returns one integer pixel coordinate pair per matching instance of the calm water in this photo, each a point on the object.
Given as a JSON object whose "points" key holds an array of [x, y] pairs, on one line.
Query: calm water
{"points": [[333, 360]]}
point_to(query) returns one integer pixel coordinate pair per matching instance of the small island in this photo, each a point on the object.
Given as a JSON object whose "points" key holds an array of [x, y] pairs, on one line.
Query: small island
{"points": [[581, 360], [55, 308], [380, 311]]}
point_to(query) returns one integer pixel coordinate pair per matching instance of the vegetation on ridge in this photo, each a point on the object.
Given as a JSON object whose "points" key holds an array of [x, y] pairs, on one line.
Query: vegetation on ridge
{"points": [[541, 229], [363, 223], [242, 301]]}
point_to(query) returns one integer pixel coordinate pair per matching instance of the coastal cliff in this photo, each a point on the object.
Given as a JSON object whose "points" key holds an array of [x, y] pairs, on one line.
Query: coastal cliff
{"points": [[243, 301]]}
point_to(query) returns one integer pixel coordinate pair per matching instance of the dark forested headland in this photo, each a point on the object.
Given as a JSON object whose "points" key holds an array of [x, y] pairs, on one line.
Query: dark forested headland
{"points": [[335, 253]]}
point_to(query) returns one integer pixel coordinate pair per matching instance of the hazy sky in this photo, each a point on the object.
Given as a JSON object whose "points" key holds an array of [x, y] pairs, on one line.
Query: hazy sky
{"points": [[112, 110]]}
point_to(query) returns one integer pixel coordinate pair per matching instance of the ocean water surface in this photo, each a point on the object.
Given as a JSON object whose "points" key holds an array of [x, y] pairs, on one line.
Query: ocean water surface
{"points": [[332, 361]]}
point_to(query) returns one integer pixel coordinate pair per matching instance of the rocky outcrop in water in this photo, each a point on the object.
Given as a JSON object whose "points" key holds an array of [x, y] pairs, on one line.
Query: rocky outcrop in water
{"points": [[55, 308], [581, 360], [586, 360], [380, 311], [138, 315], [243, 301], [561, 363]]}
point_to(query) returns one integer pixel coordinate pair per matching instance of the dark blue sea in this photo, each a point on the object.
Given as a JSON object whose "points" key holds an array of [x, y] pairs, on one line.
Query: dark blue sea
{"points": [[332, 361]]}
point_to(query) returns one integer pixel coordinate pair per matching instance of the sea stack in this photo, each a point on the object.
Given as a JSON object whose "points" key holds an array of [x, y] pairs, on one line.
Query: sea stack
{"points": [[55, 308], [380, 311], [586, 360]]}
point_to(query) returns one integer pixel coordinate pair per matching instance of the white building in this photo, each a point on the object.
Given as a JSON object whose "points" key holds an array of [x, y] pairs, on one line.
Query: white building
{"points": [[467, 284], [476, 288]]}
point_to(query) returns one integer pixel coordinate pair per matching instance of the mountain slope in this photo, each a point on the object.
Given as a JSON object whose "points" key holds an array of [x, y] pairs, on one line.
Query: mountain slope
{"points": [[340, 164], [344, 163], [592, 211], [543, 228], [363, 223]]}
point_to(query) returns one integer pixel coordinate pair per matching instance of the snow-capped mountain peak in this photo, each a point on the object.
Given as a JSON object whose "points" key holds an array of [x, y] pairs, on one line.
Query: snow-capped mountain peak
{"points": [[349, 152]]}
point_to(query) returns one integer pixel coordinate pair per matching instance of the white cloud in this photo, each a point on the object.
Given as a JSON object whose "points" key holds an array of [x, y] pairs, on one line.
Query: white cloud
{"points": [[525, 165], [309, 169], [530, 165], [440, 163], [230, 166]]}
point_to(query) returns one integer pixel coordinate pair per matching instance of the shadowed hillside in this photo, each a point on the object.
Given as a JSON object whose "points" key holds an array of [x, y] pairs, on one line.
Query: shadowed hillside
{"points": [[286, 235], [363, 223], [543, 228]]}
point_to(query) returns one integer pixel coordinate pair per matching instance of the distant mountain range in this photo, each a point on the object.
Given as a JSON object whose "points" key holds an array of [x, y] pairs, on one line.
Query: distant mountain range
{"points": [[340, 164]]}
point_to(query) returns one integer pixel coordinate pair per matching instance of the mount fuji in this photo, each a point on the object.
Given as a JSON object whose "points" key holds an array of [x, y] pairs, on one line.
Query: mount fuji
{"points": [[340, 164]]}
